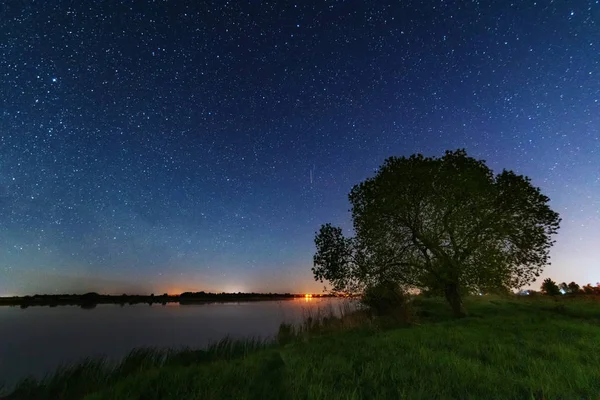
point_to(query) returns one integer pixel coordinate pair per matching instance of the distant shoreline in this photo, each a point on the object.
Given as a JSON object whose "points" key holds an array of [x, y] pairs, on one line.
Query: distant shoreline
{"points": [[91, 300]]}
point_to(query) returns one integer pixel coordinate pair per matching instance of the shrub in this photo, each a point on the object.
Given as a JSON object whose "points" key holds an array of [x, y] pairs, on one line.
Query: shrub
{"points": [[386, 298]]}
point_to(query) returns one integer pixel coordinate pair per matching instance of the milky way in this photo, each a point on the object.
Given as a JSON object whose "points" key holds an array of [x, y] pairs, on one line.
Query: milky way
{"points": [[184, 145]]}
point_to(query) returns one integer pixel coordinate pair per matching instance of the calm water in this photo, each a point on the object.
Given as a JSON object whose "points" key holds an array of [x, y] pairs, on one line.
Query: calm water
{"points": [[34, 341]]}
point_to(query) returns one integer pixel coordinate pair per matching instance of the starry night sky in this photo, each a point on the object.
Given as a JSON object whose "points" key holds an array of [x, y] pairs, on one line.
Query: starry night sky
{"points": [[185, 145]]}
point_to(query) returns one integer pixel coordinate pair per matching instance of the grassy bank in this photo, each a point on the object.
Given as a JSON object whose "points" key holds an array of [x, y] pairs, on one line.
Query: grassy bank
{"points": [[505, 349]]}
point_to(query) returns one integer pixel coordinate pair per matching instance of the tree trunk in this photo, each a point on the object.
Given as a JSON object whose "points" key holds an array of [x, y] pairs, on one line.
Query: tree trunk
{"points": [[452, 292]]}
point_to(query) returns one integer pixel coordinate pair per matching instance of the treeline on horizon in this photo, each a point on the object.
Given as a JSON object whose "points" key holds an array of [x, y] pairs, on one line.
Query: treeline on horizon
{"points": [[92, 299], [551, 288]]}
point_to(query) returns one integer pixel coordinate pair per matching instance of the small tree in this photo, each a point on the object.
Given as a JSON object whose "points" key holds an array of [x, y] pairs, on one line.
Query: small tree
{"points": [[385, 298], [443, 225], [574, 288], [550, 288], [588, 289]]}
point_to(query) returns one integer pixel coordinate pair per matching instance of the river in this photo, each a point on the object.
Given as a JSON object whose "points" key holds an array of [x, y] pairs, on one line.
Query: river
{"points": [[36, 340]]}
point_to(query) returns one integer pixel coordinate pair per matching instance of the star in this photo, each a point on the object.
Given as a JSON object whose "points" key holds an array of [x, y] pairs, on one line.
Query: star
{"points": [[184, 142]]}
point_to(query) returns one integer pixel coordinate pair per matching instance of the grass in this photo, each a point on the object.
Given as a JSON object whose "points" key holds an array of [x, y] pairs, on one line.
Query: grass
{"points": [[347, 316], [90, 375], [505, 349]]}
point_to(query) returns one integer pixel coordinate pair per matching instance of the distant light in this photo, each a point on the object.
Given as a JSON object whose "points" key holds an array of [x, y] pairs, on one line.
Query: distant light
{"points": [[308, 295], [53, 79]]}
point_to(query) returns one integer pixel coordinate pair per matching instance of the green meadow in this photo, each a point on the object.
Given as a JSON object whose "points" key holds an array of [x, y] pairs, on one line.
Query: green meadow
{"points": [[507, 348]]}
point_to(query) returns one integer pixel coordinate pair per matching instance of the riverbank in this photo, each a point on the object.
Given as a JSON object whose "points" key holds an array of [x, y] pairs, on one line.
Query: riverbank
{"points": [[505, 349]]}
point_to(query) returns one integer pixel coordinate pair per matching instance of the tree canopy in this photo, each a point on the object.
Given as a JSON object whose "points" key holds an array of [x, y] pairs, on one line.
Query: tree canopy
{"points": [[443, 224], [550, 287], [574, 288]]}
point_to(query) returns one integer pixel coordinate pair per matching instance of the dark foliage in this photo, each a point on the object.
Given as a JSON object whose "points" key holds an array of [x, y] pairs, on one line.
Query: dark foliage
{"points": [[90, 300], [574, 288], [550, 288], [385, 298], [446, 225]]}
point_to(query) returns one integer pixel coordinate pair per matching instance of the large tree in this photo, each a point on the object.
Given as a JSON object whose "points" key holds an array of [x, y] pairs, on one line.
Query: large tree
{"points": [[446, 225]]}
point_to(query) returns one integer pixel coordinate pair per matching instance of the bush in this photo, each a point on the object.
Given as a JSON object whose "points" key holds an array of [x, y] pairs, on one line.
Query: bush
{"points": [[386, 298]]}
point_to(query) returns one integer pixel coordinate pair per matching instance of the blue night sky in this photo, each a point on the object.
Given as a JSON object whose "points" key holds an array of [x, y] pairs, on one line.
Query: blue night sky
{"points": [[184, 145]]}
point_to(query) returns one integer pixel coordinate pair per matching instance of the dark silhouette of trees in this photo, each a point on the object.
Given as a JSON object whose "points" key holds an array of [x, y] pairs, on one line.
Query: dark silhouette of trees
{"points": [[588, 289], [384, 298], [574, 288], [446, 225], [90, 300], [549, 287]]}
